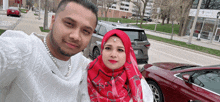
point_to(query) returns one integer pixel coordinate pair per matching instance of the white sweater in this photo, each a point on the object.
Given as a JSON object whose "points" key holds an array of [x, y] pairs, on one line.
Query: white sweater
{"points": [[27, 73]]}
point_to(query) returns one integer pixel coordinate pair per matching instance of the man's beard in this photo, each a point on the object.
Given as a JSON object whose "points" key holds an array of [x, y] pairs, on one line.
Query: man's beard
{"points": [[57, 47]]}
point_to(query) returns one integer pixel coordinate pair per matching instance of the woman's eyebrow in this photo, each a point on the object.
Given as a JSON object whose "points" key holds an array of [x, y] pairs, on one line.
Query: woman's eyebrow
{"points": [[121, 47]]}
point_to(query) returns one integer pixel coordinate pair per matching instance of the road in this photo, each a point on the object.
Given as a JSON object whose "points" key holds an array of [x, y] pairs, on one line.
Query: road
{"points": [[162, 52]]}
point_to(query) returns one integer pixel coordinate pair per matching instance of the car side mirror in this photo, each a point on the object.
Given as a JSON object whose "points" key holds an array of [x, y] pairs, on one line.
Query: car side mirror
{"points": [[186, 77], [94, 31]]}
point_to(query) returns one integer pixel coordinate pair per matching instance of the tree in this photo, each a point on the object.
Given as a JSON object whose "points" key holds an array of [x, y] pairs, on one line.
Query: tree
{"points": [[143, 6], [105, 5], [184, 8], [137, 9], [46, 15]]}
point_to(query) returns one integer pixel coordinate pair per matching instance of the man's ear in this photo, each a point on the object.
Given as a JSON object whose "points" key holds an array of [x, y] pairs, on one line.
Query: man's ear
{"points": [[52, 22]]}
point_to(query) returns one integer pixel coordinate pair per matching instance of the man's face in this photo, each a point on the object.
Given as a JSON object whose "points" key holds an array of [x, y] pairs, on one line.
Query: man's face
{"points": [[71, 29]]}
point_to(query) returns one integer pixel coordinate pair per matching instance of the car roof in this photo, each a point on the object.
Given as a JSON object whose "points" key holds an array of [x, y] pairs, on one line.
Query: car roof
{"points": [[113, 25], [199, 68]]}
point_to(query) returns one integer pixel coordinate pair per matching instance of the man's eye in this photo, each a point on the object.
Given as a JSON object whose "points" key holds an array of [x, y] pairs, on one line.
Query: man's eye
{"points": [[69, 24], [121, 50], [86, 32]]}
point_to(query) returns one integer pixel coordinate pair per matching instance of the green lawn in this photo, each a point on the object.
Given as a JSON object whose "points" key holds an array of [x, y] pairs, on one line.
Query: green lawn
{"points": [[183, 44], [41, 28], [23, 10], [1, 31], [122, 20], [167, 28]]}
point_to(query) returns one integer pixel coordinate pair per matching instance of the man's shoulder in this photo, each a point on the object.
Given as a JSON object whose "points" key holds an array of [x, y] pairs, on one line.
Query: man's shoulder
{"points": [[80, 59], [14, 34]]}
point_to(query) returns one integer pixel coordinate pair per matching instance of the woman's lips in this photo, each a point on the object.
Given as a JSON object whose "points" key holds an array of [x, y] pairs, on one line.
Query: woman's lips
{"points": [[112, 61]]}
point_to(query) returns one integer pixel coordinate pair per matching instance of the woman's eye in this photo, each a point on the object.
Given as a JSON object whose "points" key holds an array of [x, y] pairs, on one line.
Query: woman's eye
{"points": [[107, 48], [121, 50]]}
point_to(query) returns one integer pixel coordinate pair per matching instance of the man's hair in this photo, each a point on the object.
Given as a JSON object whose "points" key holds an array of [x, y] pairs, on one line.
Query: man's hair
{"points": [[85, 3]]}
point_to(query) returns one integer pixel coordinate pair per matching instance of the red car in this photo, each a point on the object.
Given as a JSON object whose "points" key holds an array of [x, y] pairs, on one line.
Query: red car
{"points": [[13, 11], [177, 82]]}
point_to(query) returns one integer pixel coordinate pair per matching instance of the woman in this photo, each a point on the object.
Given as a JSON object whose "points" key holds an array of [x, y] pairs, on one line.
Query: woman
{"points": [[114, 75]]}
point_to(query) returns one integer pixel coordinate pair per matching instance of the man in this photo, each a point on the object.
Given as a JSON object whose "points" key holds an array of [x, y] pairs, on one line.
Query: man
{"points": [[48, 70]]}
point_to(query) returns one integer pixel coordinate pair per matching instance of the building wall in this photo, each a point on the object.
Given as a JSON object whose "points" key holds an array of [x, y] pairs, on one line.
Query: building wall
{"points": [[12, 3], [207, 24], [115, 14]]}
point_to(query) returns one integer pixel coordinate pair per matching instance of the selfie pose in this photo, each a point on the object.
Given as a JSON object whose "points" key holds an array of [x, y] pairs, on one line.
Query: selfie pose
{"points": [[114, 75], [48, 70]]}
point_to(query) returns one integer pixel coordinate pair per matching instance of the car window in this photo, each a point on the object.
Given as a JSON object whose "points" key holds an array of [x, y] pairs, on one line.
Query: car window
{"points": [[209, 79], [97, 27], [102, 31], [136, 35]]}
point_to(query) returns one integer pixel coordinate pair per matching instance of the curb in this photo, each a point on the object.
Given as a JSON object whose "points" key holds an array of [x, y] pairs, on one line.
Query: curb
{"points": [[214, 56]]}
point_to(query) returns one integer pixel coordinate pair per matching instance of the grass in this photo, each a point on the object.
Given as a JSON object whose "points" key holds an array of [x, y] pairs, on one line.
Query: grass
{"points": [[183, 44], [167, 28], [42, 30], [23, 10], [36, 14], [122, 20], [1, 31]]}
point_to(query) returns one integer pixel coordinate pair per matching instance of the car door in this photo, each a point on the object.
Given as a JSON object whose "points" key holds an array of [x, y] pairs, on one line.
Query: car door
{"points": [[93, 39], [97, 39], [194, 89]]}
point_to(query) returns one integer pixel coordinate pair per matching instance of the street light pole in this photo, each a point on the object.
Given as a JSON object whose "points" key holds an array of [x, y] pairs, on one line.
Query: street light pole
{"points": [[214, 27], [194, 23]]}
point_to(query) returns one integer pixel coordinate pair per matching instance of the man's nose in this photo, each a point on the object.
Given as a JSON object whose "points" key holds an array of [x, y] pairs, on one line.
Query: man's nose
{"points": [[75, 35]]}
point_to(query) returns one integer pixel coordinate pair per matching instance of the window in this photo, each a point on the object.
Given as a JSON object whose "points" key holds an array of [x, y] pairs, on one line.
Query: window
{"points": [[209, 79], [135, 35], [126, 9], [102, 31], [97, 28]]}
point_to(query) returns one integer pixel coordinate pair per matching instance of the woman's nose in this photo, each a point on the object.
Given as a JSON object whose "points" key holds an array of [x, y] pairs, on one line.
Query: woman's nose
{"points": [[113, 53]]}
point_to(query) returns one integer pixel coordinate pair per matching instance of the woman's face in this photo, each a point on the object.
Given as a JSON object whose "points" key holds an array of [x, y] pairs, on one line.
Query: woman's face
{"points": [[113, 54]]}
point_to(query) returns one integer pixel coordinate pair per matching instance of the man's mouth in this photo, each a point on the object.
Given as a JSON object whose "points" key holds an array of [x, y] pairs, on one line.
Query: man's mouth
{"points": [[73, 46], [112, 61]]}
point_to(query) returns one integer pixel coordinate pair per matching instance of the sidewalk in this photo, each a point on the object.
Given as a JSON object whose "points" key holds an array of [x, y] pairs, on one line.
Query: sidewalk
{"points": [[30, 23], [202, 42]]}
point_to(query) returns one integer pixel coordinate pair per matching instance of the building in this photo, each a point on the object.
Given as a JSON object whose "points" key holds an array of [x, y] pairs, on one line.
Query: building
{"points": [[13, 3], [125, 8], [207, 24]]}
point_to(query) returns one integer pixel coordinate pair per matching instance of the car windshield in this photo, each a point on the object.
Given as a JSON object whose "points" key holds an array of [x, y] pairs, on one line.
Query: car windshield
{"points": [[182, 67], [136, 35], [13, 8]]}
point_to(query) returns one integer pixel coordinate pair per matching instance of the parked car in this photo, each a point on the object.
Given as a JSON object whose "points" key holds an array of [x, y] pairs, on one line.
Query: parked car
{"points": [[13, 11], [178, 82], [137, 35], [147, 19]]}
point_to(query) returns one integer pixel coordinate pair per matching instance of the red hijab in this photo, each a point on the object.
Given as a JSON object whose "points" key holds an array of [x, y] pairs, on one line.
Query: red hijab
{"points": [[119, 85]]}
